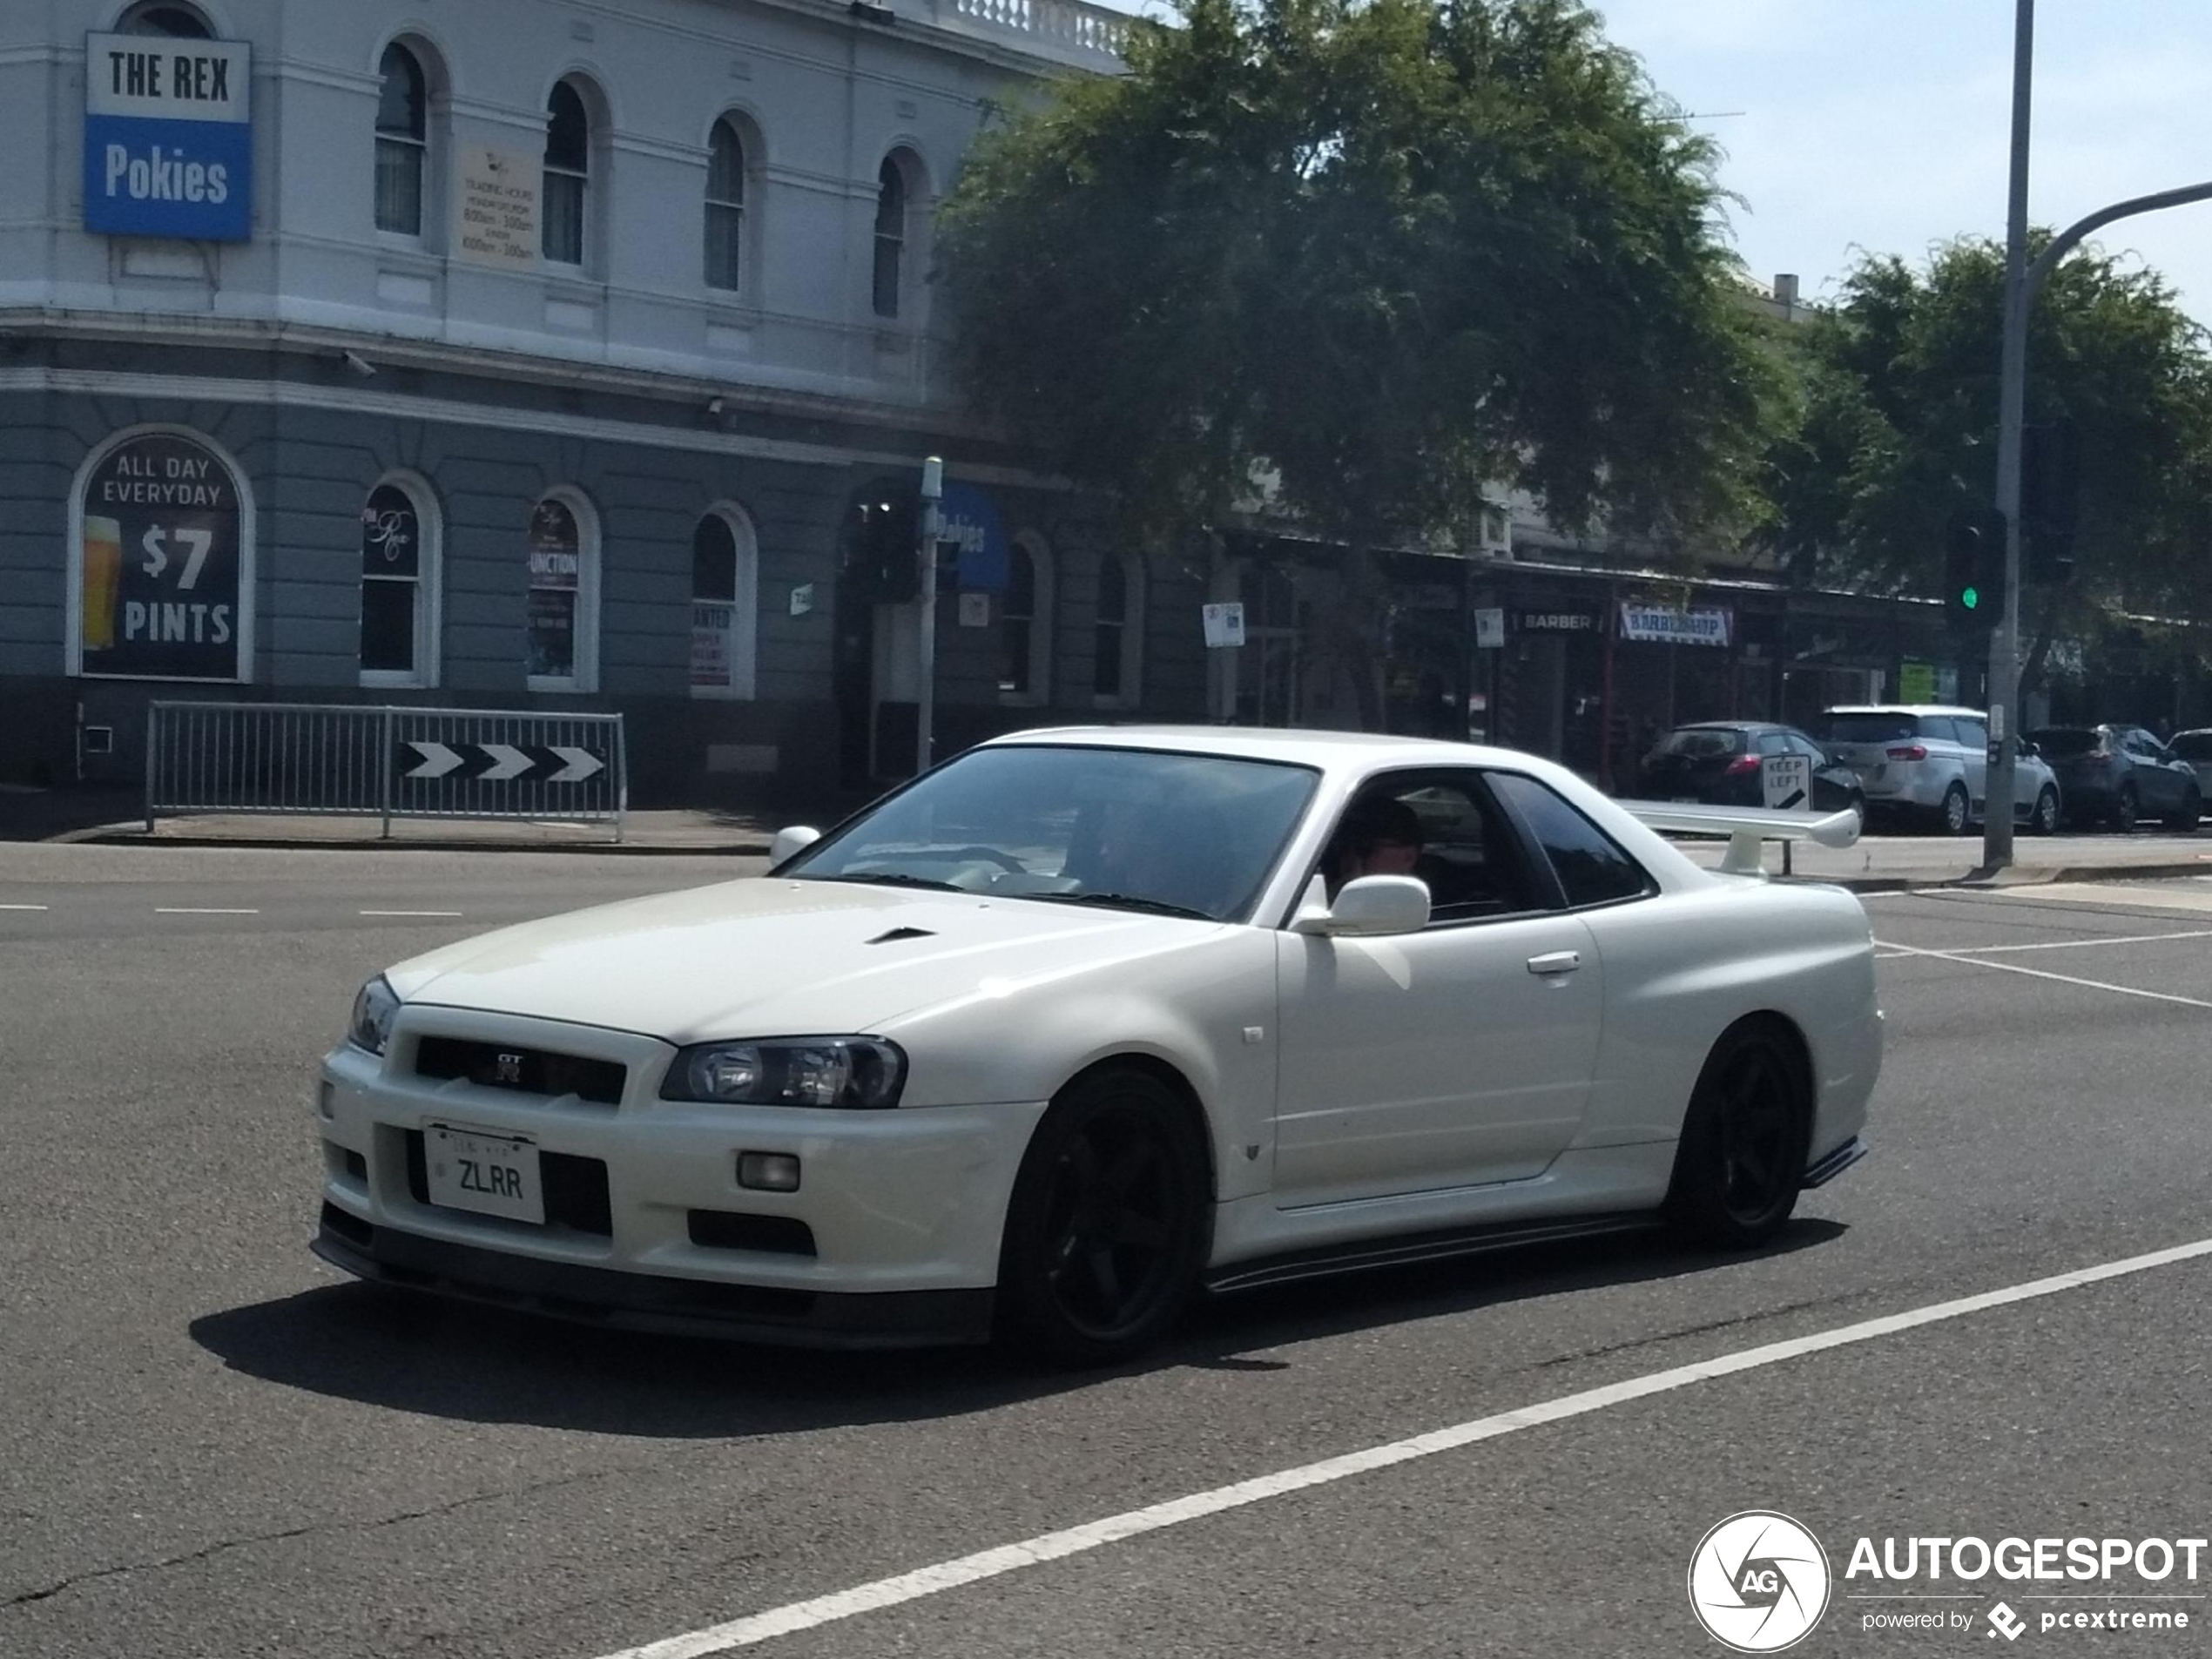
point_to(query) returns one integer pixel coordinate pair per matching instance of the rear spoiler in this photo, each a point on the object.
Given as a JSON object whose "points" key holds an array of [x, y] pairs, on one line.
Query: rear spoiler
{"points": [[1747, 828]]}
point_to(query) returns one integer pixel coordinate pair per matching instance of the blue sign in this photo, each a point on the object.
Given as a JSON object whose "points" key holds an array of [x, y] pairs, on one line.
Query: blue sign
{"points": [[168, 137], [969, 519]]}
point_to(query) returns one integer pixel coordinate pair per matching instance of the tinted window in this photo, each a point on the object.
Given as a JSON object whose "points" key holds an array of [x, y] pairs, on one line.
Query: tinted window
{"points": [[2061, 743], [1774, 743], [2193, 745], [1804, 745], [1702, 742], [1871, 728], [1972, 733], [1463, 847], [1592, 869]]}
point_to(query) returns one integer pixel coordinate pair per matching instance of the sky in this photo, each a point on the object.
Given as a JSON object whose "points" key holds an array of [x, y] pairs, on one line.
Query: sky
{"points": [[1883, 125]]}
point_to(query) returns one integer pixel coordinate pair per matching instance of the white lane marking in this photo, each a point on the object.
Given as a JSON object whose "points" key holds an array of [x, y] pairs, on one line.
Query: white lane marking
{"points": [[22, 907], [2078, 944], [1074, 1540], [410, 913], [2038, 972], [199, 910]]}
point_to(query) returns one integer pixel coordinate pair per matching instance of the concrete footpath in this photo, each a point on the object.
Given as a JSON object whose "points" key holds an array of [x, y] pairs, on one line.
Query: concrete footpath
{"points": [[1877, 863]]}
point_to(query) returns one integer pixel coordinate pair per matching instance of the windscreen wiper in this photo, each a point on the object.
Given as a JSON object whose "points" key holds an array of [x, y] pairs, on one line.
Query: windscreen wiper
{"points": [[1123, 902], [887, 879]]}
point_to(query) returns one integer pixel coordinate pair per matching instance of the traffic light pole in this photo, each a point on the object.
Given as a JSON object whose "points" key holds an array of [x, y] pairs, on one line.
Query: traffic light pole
{"points": [[932, 491], [2023, 282]]}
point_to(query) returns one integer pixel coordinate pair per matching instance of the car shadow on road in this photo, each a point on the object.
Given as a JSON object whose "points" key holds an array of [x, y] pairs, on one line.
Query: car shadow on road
{"points": [[411, 1353]]}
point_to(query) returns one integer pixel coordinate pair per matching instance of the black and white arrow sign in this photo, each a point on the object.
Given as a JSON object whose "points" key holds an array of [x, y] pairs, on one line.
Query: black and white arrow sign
{"points": [[499, 763]]}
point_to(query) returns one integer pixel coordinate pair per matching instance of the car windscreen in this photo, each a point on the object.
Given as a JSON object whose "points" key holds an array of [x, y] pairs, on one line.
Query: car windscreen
{"points": [[1134, 829], [1871, 728], [2192, 745], [2061, 743], [1702, 743]]}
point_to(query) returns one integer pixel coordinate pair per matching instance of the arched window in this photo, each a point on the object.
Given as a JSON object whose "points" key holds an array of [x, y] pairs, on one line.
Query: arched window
{"points": [[1025, 623], [568, 174], [402, 143], [726, 183], [399, 585], [1118, 632], [165, 18], [560, 621], [725, 590], [890, 236]]}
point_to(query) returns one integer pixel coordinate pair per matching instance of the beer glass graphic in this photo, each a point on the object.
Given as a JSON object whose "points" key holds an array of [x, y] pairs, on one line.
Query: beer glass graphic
{"points": [[102, 577]]}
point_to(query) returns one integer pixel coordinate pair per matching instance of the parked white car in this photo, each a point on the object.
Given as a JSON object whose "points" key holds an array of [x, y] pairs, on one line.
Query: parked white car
{"points": [[1085, 1020], [1931, 760]]}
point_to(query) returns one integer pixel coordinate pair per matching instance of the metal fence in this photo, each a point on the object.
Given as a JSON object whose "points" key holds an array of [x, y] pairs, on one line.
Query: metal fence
{"points": [[385, 762]]}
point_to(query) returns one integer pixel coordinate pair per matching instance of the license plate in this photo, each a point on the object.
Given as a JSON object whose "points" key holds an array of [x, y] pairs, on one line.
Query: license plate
{"points": [[493, 1175]]}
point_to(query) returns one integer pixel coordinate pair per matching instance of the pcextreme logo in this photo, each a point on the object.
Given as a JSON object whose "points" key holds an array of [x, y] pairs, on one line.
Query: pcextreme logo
{"points": [[1758, 1581]]}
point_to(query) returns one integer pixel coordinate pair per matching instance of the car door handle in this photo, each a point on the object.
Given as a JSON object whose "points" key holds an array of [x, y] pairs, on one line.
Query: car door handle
{"points": [[1553, 962]]}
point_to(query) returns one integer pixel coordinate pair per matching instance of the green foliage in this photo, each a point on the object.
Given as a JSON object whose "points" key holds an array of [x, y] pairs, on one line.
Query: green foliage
{"points": [[1380, 251]]}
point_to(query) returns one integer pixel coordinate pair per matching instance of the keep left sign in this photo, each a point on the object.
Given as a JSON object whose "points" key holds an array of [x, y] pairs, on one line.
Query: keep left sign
{"points": [[169, 138]]}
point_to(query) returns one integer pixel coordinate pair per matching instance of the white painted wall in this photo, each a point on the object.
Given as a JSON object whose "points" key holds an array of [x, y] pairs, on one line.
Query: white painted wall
{"points": [[830, 94]]}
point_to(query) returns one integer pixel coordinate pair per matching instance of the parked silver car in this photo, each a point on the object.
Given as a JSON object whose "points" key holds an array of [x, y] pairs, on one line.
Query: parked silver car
{"points": [[1927, 760]]}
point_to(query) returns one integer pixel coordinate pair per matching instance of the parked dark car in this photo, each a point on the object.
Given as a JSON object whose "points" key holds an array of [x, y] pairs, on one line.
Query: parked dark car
{"points": [[1716, 763], [2119, 774]]}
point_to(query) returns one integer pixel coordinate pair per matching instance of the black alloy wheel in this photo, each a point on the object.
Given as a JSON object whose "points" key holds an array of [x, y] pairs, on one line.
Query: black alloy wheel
{"points": [[2044, 820], [1107, 1230], [1744, 1140]]}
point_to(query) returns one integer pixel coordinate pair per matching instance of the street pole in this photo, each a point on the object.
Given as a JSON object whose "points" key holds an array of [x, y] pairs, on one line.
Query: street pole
{"points": [[932, 491], [2004, 645]]}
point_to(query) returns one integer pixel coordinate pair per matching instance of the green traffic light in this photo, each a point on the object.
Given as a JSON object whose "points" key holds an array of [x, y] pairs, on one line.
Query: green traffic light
{"points": [[1970, 597]]}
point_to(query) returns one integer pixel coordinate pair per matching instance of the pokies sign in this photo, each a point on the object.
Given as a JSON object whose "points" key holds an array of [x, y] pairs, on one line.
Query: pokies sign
{"points": [[169, 138], [161, 568]]}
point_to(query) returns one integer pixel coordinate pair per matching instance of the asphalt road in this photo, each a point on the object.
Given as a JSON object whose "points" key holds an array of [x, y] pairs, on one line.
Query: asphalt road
{"points": [[211, 1445]]}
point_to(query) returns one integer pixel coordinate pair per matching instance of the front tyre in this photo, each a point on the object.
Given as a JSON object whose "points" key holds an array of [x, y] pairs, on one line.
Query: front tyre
{"points": [[1107, 1230], [1744, 1140], [2045, 821]]}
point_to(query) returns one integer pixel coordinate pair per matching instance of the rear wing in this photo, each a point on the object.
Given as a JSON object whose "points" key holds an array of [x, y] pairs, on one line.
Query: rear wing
{"points": [[1747, 828]]}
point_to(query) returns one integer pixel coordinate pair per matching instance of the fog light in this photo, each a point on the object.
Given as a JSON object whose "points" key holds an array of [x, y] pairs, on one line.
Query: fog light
{"points": [[768, 1171]]}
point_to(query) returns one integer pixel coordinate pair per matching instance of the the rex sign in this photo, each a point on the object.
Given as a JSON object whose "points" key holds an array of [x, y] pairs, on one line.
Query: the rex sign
{"points": [[168, 137]]}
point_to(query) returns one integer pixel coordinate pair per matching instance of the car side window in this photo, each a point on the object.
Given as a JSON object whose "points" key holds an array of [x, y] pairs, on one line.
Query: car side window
{"points": [[1972, 733], [1938, 728], [1774, 743], [1799, 743], [1591, 866], [1465, 851]]}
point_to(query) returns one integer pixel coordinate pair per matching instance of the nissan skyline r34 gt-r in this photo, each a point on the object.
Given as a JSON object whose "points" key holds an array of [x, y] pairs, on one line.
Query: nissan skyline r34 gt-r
{"points": [[1084, 1021]]}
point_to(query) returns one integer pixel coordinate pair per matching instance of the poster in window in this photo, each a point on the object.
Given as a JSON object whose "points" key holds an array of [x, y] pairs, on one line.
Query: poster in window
{"points": [[711, 625], [161, 563], [550, 625]]}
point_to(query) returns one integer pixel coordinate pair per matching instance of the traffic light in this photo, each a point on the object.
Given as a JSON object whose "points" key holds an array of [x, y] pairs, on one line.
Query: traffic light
{"points": [[2050, 500], [1973, 584]]}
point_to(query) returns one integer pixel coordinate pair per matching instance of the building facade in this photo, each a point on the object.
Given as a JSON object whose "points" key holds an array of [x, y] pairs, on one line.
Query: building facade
{"points": [[527, 354]]}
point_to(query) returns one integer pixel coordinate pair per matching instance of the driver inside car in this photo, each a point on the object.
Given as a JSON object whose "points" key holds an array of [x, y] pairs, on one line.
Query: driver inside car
{"points": [[1379, 836]]}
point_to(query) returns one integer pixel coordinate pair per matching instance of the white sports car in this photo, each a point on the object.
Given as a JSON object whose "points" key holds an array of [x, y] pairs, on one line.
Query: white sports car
{"points": [[1086, 1020]]}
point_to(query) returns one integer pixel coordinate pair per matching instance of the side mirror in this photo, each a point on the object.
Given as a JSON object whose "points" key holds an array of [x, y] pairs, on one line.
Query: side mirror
{"points": [[795, 838], [2031, 749], [1370, 907]]}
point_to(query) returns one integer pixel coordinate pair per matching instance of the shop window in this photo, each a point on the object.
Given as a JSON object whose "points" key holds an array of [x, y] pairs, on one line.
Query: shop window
{"points": [[1118, 632], [724, 603], [399, 585], [890, 237], [1025, 623], [561, 620], [568, 175], [725, 208], [402, 143]]}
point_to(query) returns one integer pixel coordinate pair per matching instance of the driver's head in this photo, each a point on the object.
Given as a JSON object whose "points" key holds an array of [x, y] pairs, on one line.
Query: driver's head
{"points": [[1380, 837]]}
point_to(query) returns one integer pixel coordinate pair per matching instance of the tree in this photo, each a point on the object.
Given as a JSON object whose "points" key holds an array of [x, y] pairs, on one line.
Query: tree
{"points": [[1898, 390], [1377, 252]]}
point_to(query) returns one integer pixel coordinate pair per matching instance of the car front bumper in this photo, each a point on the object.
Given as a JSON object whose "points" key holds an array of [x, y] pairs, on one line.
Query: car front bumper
{"points": [[893, 1235]]}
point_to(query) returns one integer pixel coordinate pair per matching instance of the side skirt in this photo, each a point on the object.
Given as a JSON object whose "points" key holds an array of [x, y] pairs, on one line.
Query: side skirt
{"points": [[1422, 1247]]}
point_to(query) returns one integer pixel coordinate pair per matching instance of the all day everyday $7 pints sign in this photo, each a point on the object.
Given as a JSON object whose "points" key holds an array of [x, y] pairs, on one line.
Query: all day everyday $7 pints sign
{"points": [[168, 137]]}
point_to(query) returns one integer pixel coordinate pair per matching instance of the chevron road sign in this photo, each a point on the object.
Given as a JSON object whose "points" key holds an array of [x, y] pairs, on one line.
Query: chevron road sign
{"points": [[499, 763]]}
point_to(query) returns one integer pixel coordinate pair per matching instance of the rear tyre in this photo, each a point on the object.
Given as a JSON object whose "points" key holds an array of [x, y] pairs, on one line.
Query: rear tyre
{"points": [[2192, 808], [1956, 810], [2123, 810], [1107, 1230], [2045, 819], [1744, 1139]]}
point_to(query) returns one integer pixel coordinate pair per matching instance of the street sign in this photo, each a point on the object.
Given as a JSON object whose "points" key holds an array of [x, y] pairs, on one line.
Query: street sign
{"points": [[1786, 782], [499, 763]]}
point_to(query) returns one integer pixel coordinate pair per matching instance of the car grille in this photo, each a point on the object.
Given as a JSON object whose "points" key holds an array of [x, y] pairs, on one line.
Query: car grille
{"points": [[528, 1071], [576, 1189]]}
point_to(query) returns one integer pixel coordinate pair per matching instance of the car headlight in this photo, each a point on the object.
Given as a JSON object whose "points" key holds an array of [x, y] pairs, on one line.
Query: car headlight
{"points": [[374, 1008], [860, 1072]]}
